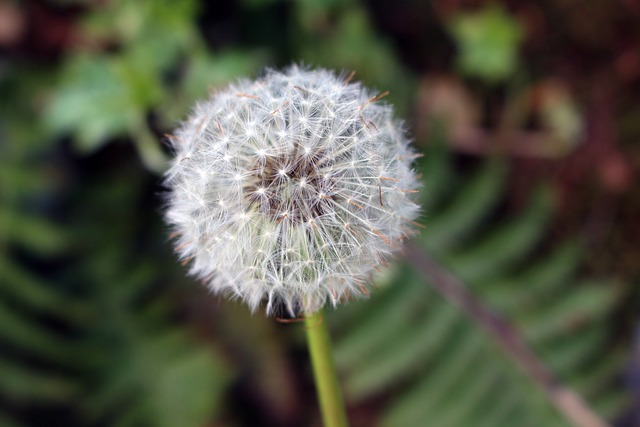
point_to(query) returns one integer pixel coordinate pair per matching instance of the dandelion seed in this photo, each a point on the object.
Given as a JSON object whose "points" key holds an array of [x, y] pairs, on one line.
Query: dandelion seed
{"points": [[290, 211]]}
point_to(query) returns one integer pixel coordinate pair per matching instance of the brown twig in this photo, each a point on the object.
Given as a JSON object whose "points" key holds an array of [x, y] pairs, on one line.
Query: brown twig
{"points": [[568, 402]]}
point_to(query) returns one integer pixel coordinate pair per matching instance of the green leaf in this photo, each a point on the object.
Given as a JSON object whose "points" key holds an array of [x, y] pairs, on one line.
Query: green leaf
{"points": [[470, 207], [149, 23], [432, 389], [208, 72], [24, 332], [39, 295], [536, 285], [505, 246], [189, 390], [98, 98], [488, 43], [31, 232], [396, 358], [572, 313]]}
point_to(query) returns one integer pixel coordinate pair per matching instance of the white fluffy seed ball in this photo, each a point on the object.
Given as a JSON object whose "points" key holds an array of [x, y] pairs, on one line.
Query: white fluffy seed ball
{"points": [[290, 189]]}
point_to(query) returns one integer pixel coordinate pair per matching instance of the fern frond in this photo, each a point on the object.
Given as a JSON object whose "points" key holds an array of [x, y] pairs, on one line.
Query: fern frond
{"points": [[432, 363]]}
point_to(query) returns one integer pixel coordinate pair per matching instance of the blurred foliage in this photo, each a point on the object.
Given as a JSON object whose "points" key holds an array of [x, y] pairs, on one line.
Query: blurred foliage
{"points": [[142, 366], [432, 362], [350, 43], [94, 333], [99, 327], [36, 369], [488, 42], [156, 61]]}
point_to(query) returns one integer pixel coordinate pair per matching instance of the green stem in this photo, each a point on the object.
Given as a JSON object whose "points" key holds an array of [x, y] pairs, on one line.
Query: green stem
{"points": [[324, 371]]}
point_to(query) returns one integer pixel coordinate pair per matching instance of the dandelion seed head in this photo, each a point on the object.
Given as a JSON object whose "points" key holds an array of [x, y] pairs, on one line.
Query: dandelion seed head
{"points": [[290, 190]]}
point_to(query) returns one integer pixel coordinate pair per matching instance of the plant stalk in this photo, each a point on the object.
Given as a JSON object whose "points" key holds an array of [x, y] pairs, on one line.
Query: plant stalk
{"points": [[324, 372], [568, 402]]}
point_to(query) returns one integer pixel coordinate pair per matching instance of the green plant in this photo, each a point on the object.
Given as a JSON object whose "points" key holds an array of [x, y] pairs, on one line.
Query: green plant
{"points": [[35, 371], [159, 67], [142, 365], [89, 325], [488, 42], [350, 42], [434, 365]]}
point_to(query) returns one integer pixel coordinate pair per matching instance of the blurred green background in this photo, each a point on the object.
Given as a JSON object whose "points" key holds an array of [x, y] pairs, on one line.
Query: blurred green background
{"points": [[528, 117]]}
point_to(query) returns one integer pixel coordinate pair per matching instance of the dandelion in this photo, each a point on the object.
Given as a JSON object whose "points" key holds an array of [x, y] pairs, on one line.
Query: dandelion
{"points": [[290, 190]]}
